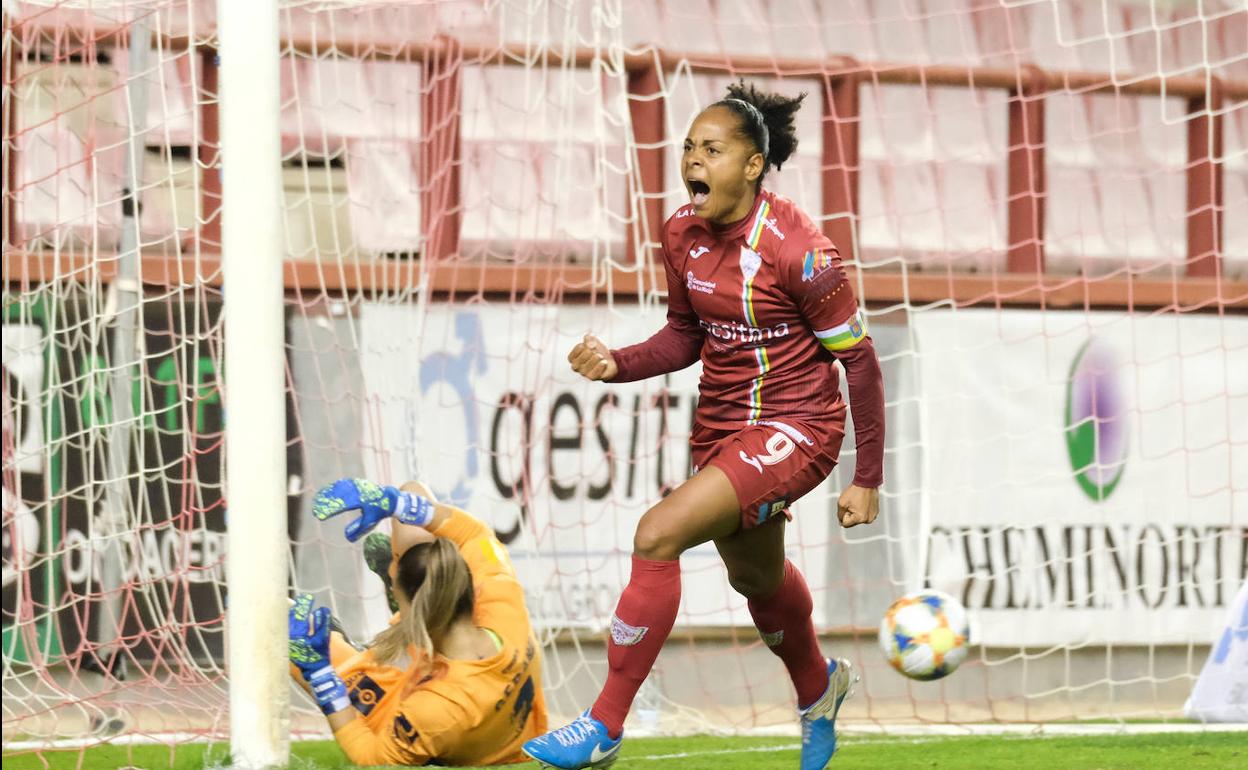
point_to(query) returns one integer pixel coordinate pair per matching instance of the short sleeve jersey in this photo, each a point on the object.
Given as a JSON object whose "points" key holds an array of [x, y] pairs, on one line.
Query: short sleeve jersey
{"points": [[773, 302]]}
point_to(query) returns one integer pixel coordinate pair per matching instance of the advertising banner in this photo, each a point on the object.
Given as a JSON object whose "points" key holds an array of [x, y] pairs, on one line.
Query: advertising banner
{"points": [[1083, 472], [488, 412], [29, 588], [94, 552]]}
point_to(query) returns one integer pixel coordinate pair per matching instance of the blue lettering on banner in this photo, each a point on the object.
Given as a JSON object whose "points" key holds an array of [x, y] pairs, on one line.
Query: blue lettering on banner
{"points": [[1224, 644], [457, 371]]}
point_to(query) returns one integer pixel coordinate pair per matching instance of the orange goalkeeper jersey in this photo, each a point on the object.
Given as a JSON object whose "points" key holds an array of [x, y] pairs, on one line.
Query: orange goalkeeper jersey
{"points": [[472, 712]]}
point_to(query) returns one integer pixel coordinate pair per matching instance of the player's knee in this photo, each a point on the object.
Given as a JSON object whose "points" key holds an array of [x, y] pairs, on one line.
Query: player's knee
{"points": [[754, 583], [654, 542]]}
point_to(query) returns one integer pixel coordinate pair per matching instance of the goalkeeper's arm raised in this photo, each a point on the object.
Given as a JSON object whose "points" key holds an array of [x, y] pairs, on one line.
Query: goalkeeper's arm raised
{"points": [[462, 623]]}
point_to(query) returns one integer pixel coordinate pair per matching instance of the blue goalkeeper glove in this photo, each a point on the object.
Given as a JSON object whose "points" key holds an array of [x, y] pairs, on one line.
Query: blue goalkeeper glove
{"points": [[309, 651], [375, 504]]}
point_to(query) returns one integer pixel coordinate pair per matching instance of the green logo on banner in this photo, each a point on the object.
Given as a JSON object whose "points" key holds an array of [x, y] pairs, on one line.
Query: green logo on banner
{"points": [[1096, 421]]}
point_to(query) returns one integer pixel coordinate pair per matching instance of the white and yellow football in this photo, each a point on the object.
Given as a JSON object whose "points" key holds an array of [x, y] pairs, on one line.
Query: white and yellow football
{"points": [[924, 635]]}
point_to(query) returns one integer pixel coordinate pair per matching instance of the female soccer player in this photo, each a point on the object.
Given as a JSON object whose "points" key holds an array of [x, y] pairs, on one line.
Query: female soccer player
{"points": [[757, 292], [456, 679]]}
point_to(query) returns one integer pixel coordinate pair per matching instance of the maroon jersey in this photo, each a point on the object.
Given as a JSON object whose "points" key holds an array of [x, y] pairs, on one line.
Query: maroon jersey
{"points": [[766, 306]]}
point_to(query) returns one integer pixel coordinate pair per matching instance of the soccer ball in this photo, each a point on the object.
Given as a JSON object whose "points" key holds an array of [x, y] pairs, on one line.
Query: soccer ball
{"points": [[924, 635]]}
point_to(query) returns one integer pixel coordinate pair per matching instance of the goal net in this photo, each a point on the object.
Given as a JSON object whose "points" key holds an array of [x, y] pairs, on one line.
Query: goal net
{"points": [[1043, 203]]}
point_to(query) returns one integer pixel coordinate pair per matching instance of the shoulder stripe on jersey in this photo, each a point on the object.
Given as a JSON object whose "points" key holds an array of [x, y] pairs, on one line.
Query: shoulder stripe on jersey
{"points": [[846, 335], [756, 229]]}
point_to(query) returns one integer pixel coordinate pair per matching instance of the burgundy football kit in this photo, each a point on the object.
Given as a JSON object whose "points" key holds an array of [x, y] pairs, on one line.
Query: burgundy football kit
{"points": [[766, 306]]}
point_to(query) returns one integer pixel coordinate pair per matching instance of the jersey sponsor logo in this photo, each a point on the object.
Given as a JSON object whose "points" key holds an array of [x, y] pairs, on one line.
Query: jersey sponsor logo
{"points": [[778, 447], [685, 212], [751, 261], [739, 332], [814, 263], [772, 639], [699, 251], [770, 224], [697, 284], [403, 729], [625, 635], [365, 694]]}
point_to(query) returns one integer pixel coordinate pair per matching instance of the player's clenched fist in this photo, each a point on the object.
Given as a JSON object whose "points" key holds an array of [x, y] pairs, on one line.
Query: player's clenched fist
{"points": [[592, 359], [858, 505]]}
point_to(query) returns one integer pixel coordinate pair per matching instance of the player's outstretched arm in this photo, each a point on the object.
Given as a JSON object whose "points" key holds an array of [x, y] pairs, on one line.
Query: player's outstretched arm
{"points": [[309, 652], [860, 502], [374, 502]]}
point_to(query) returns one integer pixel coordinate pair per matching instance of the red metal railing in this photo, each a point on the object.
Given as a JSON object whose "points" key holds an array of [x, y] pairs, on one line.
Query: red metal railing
{"points": [[1023, 283]]}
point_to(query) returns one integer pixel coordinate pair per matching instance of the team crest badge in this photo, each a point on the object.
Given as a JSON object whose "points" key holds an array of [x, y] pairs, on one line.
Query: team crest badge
{"points": [[751, 261], [625, 635]]}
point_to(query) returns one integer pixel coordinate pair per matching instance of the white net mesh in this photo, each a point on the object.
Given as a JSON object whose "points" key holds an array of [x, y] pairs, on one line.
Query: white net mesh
{"points": [[471, 186]]}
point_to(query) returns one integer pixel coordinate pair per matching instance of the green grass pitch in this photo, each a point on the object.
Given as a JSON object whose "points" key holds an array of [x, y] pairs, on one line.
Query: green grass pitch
{"points": [[1188, 751]]}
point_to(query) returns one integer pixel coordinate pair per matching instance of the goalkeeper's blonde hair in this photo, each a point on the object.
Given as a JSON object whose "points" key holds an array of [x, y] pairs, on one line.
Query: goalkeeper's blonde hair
{"points": [[438, 583]]}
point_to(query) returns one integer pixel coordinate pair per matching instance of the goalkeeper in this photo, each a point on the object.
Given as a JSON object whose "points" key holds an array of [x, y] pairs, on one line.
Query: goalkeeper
{"points": [[456, 679]]}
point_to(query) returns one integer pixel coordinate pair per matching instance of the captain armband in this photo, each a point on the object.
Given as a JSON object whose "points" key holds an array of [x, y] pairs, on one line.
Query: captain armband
{"points": [[846, 335]]}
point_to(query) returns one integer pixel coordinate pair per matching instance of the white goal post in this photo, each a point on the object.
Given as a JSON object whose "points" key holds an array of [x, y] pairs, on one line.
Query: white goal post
{"points": [[255, 379]]}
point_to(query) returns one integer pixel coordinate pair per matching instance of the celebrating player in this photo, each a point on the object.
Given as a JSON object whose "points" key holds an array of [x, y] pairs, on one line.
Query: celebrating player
{"points": [[757, 292], [456, 679]]}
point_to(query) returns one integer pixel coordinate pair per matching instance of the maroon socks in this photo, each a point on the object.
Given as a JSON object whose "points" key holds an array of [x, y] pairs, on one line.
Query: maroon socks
{"points": [[643, 619], [784, 621]]}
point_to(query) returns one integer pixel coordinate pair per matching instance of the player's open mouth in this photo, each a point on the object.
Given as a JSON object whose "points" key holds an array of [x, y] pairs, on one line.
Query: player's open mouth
{"points": [[699, 192]]}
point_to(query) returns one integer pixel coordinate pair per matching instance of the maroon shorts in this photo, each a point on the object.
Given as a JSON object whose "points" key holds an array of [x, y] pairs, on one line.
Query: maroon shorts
{"points": [[771, 463]]}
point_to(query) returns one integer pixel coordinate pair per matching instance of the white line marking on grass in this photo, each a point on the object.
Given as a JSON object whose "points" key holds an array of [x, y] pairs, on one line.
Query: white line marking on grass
{"points": [[688, 754], [1038, 730]]}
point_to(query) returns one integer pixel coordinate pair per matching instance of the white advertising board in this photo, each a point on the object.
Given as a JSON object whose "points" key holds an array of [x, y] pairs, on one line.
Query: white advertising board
{"points": [[1084, 473], [487, 410]]}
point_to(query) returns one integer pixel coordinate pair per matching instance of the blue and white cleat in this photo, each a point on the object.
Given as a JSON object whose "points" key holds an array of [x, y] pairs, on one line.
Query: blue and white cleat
{"points": [[583, 743], [819, 718]]}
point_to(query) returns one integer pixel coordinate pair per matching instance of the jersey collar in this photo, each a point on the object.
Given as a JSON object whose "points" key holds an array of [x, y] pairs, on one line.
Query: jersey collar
{"points": [[748, 227]]}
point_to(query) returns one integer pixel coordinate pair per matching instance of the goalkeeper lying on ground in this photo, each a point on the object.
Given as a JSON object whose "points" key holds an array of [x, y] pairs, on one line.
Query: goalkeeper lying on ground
{"points": [[456, 679]]}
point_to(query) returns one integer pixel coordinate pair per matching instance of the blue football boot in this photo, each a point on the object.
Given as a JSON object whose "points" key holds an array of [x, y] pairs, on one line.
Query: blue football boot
{"points": [[583, 743], [819, 718]]}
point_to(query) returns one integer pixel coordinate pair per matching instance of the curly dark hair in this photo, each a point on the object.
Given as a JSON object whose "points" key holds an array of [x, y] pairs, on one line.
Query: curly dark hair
{"points": [[766, 119]]}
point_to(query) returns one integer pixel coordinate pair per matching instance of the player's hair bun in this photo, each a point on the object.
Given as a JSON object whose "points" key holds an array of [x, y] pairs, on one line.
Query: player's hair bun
{"points": [[767, 119]]}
